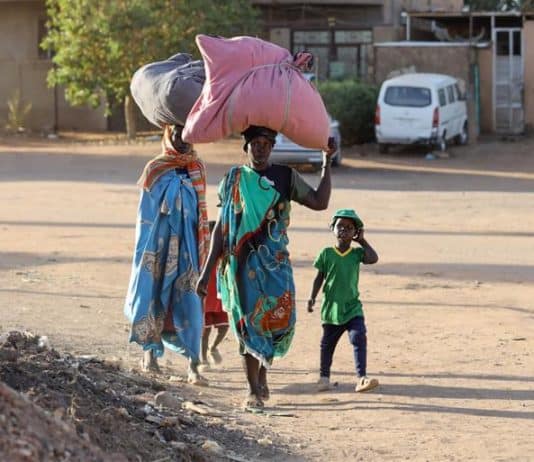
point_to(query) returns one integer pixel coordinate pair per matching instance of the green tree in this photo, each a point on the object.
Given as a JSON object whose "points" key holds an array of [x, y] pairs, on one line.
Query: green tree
{"points": [[99, 44]]}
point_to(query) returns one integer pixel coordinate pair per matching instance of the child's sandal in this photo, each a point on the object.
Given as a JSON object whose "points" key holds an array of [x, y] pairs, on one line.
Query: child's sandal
{"points": [[366, 384]]}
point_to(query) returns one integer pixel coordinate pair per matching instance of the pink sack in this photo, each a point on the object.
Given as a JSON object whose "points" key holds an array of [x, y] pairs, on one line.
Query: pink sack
{"points": [[253, 82]]}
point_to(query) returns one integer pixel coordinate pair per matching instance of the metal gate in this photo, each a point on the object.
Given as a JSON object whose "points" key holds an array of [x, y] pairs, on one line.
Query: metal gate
{"points": [[508, 80]]}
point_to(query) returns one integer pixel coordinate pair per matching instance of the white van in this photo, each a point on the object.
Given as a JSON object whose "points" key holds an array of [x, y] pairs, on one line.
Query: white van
{"points": [[420, 108]]}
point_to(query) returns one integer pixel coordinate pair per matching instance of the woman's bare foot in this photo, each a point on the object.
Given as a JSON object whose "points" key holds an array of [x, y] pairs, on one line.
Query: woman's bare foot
{"points": [[253, 403], [149, 363], [264, 391], [194, 377]]}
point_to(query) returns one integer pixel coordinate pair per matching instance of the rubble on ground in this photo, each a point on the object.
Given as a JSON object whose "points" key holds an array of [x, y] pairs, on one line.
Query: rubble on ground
{"points": [[61, 407]]}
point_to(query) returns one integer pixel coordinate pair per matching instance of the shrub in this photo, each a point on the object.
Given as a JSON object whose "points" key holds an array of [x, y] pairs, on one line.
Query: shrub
{"points": [[353, 104], [17, 113]]}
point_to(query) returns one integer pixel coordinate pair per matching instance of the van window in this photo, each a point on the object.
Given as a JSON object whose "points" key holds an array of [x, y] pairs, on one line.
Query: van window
{"points": [[442, 98], [450, 91], [408, 96]]}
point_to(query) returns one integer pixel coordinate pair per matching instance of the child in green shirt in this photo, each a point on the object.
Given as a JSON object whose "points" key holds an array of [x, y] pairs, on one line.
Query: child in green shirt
{"points": [[339, 268]]}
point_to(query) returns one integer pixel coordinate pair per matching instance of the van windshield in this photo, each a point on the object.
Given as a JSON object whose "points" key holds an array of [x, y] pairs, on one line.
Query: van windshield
{"points": [[408, 96]]}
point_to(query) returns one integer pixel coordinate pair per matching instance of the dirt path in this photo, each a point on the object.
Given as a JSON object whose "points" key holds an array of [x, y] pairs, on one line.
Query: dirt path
{"points": [[449, 306]]}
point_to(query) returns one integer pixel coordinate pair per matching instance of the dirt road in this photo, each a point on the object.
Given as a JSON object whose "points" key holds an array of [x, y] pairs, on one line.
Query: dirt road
{"points": [[448, 308]]}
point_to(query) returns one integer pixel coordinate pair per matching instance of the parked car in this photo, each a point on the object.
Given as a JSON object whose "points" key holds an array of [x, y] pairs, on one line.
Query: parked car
{"points": [[420, 108], [286, 151]]}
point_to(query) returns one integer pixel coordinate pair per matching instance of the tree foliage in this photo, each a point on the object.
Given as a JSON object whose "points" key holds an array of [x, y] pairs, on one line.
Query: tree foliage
{"points": [[353, 104], [98, 44]]}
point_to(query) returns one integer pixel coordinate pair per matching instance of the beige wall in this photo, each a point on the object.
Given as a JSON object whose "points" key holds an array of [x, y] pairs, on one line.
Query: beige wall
{"points": [[387, 34], [393, 8], [442, 60], [23, 69], [485, 65], [432, 5], [528, 40], [281, 36]]}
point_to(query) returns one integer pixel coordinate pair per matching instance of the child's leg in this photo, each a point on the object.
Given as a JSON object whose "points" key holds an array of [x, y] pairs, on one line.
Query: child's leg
{"points": [[221, 332], [205, 343], [358, 338], [331, 335]]}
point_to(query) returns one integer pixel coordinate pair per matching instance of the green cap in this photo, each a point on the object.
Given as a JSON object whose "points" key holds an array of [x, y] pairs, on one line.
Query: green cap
{"points": [[348, 213]]}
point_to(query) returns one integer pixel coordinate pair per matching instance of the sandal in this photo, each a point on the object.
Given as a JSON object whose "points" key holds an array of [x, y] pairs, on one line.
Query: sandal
{"points": [[366, 384]]}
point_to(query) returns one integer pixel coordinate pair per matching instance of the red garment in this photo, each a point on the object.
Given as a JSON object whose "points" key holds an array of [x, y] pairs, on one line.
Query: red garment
{"points": [[215, 319], [214, 315]]}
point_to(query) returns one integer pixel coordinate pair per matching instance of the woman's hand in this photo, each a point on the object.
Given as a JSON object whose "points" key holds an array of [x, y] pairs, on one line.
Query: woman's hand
{"points": [[202, 285], [311, 302]]}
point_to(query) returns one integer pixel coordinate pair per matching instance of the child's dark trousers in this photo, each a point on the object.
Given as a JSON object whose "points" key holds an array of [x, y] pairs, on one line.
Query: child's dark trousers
{"points": [[357, 337]]}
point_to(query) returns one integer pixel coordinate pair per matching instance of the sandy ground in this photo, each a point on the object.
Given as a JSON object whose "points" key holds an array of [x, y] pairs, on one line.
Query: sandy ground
{"points": [[448, 308]]}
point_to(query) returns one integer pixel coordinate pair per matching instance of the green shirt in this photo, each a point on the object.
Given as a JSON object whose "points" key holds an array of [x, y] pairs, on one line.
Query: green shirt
{"points": [[341, 301]]}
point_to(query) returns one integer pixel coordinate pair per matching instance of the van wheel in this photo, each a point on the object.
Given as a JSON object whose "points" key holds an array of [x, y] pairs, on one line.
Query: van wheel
{"points": [[463, 137], [441, 144], [383, 148]]}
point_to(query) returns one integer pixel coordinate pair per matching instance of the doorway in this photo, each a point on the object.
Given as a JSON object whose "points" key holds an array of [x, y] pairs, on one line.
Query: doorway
{"points": [[509, 117]]}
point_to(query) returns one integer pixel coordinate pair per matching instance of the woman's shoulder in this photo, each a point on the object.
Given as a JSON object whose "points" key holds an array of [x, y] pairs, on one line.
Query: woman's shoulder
{"points": [[281, 174], [282, 168]]}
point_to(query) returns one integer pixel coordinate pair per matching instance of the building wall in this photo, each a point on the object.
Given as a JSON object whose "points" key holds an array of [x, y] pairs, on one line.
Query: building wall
{"points": [[281, 36], [432, 5], [339, 34], [304, 17], [393, 8], [388, 34], [24, 69], [528, 40], [442, 60]]}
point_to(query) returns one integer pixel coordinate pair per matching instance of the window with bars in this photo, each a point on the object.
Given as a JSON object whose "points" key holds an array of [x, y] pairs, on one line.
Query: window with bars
{"points": [[339, 53]]}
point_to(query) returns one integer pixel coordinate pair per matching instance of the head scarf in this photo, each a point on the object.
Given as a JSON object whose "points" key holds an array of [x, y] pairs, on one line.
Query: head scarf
{"points": [[254, 131], [169, 159]]}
